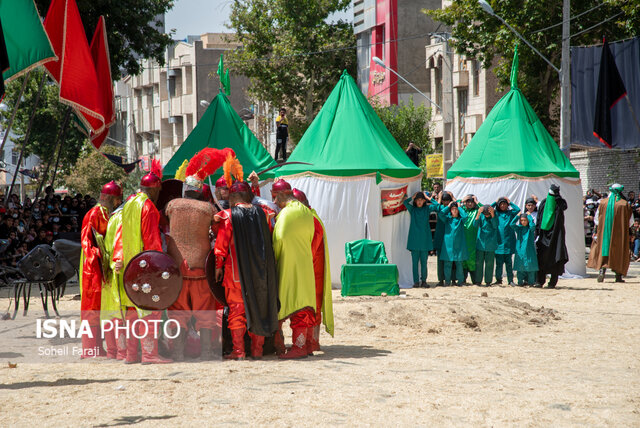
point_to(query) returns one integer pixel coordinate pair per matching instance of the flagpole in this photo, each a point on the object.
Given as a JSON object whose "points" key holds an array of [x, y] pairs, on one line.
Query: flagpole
{"points": [[26, 138], [15, 110], [61, 138], [633, 113]]}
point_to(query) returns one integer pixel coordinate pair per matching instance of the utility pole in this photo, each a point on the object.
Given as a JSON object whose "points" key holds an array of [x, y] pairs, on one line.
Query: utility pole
{"points": [[565, 82]]}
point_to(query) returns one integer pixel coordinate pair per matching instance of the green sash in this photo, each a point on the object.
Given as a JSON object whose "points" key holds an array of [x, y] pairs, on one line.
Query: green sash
{"points": [[548, 216], [608, 221]]}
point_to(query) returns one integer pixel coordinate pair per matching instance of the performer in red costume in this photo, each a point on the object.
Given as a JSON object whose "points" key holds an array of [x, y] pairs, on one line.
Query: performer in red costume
{"points": [[246, 264], [91, 267], [320, 271], [191, 219], [140, 231]]}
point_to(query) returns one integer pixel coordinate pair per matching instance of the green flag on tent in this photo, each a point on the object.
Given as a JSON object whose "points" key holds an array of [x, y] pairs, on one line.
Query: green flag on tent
{"points": [[221, 127], [512, 141], [226, 83], [28, 45], [221, 67]]}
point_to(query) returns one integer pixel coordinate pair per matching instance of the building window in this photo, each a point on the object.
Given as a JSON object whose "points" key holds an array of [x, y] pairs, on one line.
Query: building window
{"points": [[476, 78], [15, 154], [463, 100]]}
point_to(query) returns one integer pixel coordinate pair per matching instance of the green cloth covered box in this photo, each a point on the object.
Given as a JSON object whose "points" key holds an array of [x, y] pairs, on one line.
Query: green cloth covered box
{"points": [[368, 272]]}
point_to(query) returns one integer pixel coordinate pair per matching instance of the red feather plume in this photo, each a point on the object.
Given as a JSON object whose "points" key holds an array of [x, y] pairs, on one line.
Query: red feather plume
{"points": [[207, 161], [156, 168]]}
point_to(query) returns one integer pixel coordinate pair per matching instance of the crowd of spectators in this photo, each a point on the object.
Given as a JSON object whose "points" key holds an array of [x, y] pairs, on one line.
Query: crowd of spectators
{"points": [[26, 225], [591, 202]]}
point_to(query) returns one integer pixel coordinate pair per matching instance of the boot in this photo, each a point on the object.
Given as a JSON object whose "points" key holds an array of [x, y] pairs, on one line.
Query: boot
{"points": [[89, 345], [237, 336], [132, 356], [256, 346], [121, 341], [112, 345], [315, 338], [149, 344], [177, 354], [299, 347], [619, 277], [206, 346], [310, 341], [278, 341], [601, 274]]}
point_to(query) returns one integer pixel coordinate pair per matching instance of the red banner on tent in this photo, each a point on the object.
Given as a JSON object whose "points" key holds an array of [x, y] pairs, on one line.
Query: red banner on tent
{"points": [[392, 200], [75, 71]]}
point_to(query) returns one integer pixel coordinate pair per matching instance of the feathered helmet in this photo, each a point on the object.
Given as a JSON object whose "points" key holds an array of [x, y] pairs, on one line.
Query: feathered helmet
{"points": [[154, 178], [202, 165], [232, 169]]}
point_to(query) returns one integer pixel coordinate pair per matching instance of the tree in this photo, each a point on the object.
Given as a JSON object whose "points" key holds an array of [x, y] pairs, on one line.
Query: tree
{"points": [[47, 122], [406, 123], [478, 35], [291, 54], [135, 29], [92, 171]]}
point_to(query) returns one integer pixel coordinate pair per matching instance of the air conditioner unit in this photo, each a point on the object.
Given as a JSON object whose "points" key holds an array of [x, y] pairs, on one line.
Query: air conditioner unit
{"points": [[152, 147]]}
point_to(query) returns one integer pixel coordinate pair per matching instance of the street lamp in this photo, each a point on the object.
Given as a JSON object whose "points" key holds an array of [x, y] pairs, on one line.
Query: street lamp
{"points": [[204, 103], [563, 72], [383, 65]]}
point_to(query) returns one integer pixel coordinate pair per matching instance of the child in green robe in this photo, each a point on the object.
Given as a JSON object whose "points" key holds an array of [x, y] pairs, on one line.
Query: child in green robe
{"points": [[454, 245], [526, 260], [505, 211], [486, 244], [470, 205], [419, 241]]}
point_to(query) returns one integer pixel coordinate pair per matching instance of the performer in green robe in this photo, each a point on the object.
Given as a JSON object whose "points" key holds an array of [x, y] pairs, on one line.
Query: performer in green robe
{"points": [[469, 204]]}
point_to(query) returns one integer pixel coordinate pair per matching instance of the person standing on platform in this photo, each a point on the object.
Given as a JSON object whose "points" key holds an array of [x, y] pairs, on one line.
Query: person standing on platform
{"points": [[282, 134]]}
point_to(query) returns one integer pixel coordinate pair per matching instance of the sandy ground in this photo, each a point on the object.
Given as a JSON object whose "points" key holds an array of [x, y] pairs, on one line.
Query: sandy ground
{"points": [[435, 357]]}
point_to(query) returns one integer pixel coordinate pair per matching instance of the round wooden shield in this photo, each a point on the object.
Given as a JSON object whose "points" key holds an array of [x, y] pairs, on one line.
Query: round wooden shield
{"points": [[216, 287], [152, 280]]}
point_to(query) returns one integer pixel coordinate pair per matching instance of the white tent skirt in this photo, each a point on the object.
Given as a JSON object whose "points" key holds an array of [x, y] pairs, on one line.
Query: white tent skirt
{"points": [[350, 208], [518, 189]]}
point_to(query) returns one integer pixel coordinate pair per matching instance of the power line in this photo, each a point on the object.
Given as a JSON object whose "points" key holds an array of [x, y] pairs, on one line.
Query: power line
{"points": [[598, 24], [567, 20]]}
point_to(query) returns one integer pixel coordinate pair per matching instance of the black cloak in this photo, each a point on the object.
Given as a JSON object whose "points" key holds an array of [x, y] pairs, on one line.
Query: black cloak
{"points": [[551, 244], [257, 268]]}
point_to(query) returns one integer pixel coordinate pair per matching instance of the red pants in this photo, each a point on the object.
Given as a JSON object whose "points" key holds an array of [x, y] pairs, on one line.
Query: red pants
{"points": [[91, 294], [319, 296], [195, 300], [304, 318], [233, 294]]}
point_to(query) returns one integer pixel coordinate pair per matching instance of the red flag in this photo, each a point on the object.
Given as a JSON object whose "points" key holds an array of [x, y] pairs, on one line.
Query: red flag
{"points": [[75, 72], [100, 55]]}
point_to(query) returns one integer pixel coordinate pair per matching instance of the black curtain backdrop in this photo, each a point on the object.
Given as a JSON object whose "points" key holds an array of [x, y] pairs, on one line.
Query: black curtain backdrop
{"points": [[585, 65]]}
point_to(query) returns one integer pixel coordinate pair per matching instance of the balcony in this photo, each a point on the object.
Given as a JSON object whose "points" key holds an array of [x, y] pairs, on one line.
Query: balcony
{"points": [[460, 79]]}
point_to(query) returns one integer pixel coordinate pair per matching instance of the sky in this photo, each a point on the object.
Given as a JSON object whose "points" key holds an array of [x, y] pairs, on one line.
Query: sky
{"points": [[195, 17]]}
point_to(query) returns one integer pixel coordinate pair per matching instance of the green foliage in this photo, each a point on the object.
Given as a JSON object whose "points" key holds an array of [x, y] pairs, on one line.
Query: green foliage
{"points": [[92, 171], [483, 37], [47, 122], [132, 182], [278, 37], [132, 29], [408, 122]]}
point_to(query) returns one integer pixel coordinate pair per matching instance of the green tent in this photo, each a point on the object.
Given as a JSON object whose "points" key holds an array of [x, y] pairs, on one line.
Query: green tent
{"points": [[512, 141], [347, 138], [221, 127]]}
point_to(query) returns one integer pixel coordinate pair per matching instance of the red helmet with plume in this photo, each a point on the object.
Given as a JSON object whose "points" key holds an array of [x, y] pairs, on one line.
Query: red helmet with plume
{"points": [[154, 178], [221, 183]]}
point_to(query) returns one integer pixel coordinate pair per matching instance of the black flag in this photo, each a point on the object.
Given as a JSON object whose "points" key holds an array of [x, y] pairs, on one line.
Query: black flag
{"points": [[4, 61], [610, 91]]}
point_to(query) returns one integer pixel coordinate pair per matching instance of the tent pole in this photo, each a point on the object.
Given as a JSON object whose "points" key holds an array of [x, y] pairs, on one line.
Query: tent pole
{"points": [[15, 110], [26, 139], [63, 137]]}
